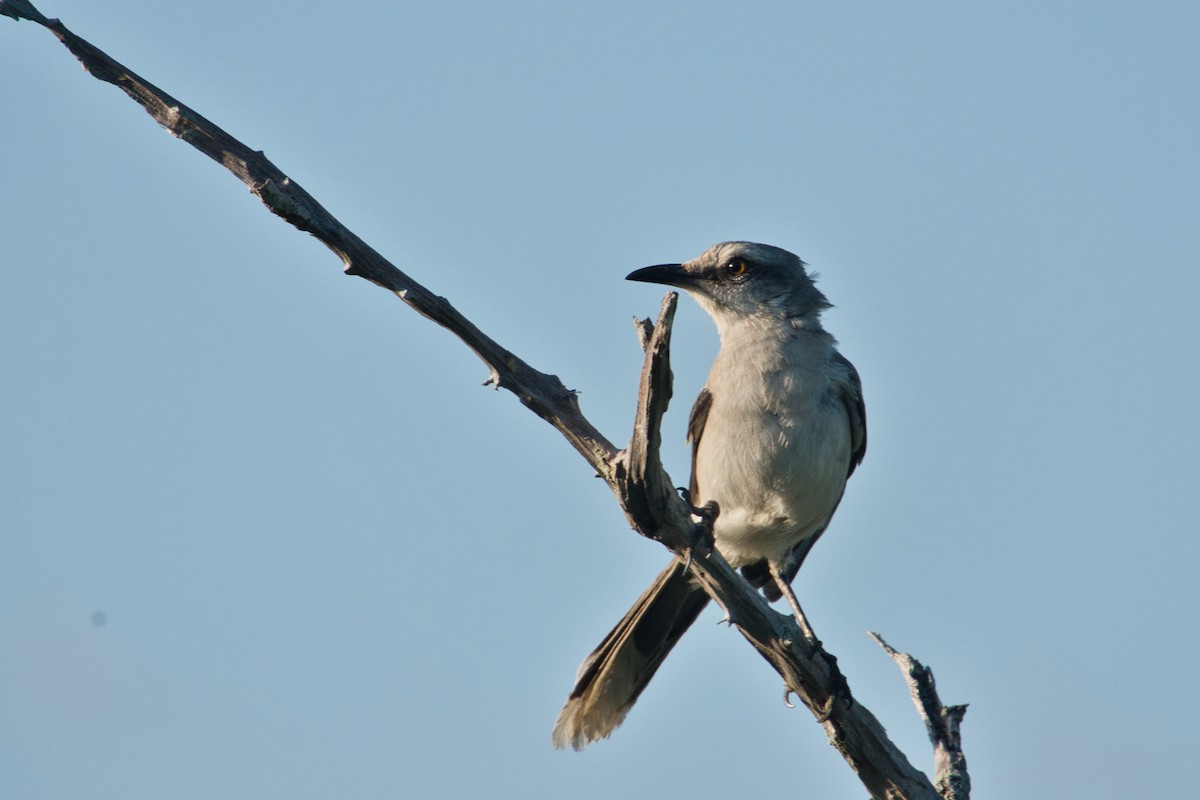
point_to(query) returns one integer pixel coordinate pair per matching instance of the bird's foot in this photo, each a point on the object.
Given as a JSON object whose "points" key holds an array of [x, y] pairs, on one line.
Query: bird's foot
{"points": [[840, 690], [702, 541]]}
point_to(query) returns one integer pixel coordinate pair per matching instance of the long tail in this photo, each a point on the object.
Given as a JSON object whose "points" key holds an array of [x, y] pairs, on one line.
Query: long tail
{"points": [[616, 672]]}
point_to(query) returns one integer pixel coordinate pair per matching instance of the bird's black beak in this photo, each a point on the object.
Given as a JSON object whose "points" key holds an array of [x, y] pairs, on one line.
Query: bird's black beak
{"points": [[669, 274]]}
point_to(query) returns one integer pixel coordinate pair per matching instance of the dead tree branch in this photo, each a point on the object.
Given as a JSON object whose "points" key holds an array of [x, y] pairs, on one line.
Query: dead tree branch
{"points": [[635, 474], [942, 723]]}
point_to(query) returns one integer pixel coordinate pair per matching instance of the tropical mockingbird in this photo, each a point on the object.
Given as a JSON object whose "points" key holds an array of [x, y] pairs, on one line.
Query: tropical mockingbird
{"points": [[775, 433]]}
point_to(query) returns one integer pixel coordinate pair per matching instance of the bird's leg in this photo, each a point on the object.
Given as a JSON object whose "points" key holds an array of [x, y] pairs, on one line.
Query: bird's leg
{"points": [[702, 541], [840, 687], [786, 589]]}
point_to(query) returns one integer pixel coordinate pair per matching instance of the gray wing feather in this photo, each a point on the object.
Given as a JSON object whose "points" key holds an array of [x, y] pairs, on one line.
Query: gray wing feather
{"points": [[851, 395], [696, 421]]}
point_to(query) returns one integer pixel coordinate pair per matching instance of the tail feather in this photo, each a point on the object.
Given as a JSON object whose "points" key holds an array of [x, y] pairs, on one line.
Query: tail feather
{"points": [[613, 676]]}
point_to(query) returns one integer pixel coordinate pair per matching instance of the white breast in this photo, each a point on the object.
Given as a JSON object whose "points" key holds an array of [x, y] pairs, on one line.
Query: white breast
{"points": [[775, 449]]}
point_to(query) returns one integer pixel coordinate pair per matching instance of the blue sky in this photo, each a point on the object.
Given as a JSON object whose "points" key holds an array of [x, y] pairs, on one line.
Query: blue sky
{"points": [[263, 535]]}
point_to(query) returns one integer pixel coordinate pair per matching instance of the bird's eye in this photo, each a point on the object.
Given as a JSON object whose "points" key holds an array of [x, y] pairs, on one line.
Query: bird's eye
{"points": [[735, 268]]}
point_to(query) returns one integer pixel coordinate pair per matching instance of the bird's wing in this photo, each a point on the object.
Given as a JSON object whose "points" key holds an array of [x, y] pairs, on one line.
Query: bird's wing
{"points": [[851, 395], [696, 423]]}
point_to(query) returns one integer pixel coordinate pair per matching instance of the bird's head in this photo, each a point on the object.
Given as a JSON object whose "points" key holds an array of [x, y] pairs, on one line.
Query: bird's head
{"points": [[743, 280]]}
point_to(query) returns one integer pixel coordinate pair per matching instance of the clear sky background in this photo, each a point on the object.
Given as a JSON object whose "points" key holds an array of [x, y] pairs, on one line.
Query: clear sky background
{"points": [[263, 535]]}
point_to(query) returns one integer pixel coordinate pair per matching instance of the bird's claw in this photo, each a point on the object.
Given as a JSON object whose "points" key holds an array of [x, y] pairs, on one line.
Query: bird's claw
{"points": [[702, 541], [827, 711], [840, 690]]}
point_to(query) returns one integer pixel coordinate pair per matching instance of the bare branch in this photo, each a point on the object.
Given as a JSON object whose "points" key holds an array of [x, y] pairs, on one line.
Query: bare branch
{"points": [[644, 328], [942, 723], [635, 475], [544, 394], [21, 9]]}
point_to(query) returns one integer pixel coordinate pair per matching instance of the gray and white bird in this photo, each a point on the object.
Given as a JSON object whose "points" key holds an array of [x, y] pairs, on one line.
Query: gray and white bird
{"points": [[776, 431]]}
